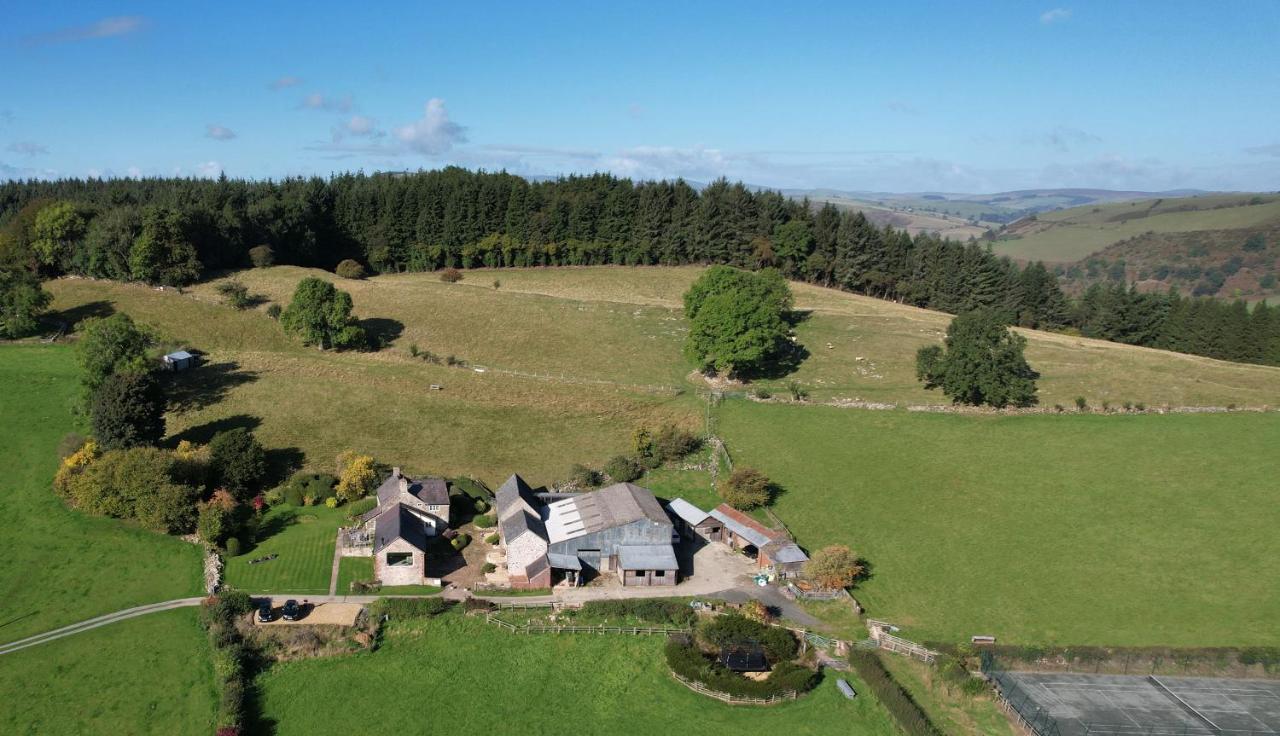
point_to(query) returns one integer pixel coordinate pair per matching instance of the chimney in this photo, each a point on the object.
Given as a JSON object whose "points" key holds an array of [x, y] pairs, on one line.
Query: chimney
{"points": [[395, 472]]}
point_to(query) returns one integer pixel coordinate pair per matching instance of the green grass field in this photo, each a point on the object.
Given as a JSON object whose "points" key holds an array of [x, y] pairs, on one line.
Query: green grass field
{"points": [[150, 675], [352, 569], [58, 566], [303, 538], [1069, 235], [950, 710], [1141, 530], [487, 679]]}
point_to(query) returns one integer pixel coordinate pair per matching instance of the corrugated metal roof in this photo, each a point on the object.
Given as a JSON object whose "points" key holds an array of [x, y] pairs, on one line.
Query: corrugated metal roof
{"points": [[178, 355], [747, 532], [687, 511], [564, 562], [647, 557], [612, 506], [786, 552]]}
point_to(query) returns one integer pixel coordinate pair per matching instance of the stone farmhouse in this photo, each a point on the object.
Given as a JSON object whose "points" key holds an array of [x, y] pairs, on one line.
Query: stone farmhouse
{"points": [[408, 514], [567, 538]]}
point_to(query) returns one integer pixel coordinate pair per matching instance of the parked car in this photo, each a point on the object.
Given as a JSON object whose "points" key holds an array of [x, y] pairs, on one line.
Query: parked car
{"points": [[265, 613], [291, 611]]}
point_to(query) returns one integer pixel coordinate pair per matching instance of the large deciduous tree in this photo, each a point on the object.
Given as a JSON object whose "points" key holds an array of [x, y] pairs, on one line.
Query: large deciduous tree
{"points": [[127, 410], [163, 253], [321, 315], [57, 229], [981, 362], [737, 320], [109, 345], [834, 566], [237, 462], [22, 301]]}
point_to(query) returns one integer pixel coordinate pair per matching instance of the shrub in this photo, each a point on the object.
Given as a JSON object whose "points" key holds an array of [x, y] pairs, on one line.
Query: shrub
{"points": [[361, 507], [237, 461], [451, 275], [834, 566], [655, 610], [233, 547], [497, 284], [1140, 406], [274, 310], [798, 392], [481, 506], [1127, 405], [584, 477], [747, 488], [357, 475], [274, 497], [1058, 408], [762, 393], [1106, 406], [349, 269], [910, 718], [623, 469], [293, 495], [478, 604], [484, 521], [689, 662], [127, 410], [488, 567], [1081, 404], [413, 349], [331, 503], [672, 443], [492, 539], [319, 487], [460, 542], [735, 630], [410, 607], [234, 293], [262, 256]]}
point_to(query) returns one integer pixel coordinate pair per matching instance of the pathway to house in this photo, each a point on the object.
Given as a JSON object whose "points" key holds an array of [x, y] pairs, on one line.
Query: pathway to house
{"points": [[337, 563]]}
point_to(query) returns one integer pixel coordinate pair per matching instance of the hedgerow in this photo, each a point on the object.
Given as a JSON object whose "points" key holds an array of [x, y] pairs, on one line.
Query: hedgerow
{"points": [[910, 718]]}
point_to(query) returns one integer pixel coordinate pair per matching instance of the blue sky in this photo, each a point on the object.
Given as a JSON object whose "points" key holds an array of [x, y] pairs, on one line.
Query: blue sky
{"points": [[859, 96]]}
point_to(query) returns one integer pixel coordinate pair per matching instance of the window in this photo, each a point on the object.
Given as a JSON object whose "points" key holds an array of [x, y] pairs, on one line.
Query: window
{"points": [[659, 573], [399, 559]]}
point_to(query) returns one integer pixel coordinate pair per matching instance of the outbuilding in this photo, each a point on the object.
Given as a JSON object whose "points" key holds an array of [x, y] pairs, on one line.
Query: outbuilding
{"points": [[179, 360], [692, 521]]}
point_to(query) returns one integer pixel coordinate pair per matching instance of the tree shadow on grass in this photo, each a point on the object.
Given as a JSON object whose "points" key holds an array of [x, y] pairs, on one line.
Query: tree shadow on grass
{"points": [[381, 332], [276, 523], [77, 314], [205, 385], [282, 462], [202, 433]]}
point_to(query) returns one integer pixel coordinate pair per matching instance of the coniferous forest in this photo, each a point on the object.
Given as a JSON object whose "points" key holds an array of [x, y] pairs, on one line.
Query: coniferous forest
{"points": [[170, 231]]}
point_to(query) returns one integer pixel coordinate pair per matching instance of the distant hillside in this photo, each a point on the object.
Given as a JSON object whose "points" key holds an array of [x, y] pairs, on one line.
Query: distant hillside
{"points": [[913, 221], [1071, 235]]}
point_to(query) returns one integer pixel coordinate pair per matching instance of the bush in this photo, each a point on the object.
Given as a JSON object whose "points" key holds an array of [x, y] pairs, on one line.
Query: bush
{"points": [[584, 477], [623, 469], [451, 275], [497, 284], [331, 503], [734, 630], [910, 718], [274, 497], [484, 521], [361, 507], [233, 547], [690, 663], [672, 443], [481, 506], [274, 310], [235, 294], [655, 610], [492, 539], [798, 392], [349, 269], [460, 542], [262, 256], [747, 488], [293, 496], [410, 607], [762, 393], [238, 462], [1081, 404], [488, 567], [70, 444]]}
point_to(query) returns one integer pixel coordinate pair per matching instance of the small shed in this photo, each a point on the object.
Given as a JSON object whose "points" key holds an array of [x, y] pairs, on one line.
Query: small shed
{"points": [[846, 689], [179, 360], [744, 659], [693, 520]]}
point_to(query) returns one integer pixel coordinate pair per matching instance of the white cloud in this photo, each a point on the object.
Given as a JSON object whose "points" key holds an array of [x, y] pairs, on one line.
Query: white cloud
{"points": [[208, 169], [434, 133], [133, 172], [1063, 138], [8, 172], [27, 148], [120, 25], [284, 82], [219, 132], [317, 101], [1056, 15], [669, 162]]}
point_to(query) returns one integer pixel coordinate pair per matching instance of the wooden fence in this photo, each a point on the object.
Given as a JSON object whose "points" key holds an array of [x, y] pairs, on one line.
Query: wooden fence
{"points": [[701, 689], [880, 633]]}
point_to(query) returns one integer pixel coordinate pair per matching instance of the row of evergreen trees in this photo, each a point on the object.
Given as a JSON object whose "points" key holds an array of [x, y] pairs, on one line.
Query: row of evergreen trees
{"points": [[168, 230]]}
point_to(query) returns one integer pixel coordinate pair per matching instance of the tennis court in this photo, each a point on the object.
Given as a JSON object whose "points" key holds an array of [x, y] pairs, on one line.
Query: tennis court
{"points": [[1057, 704]]}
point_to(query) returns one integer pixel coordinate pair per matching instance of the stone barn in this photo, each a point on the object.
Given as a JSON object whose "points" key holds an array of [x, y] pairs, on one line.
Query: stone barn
{"points": [[620, 528], [522, 535], [399, 547]]}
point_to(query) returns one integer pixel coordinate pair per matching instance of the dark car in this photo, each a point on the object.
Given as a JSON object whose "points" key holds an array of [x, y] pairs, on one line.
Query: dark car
{"points": [[291, 611], [265, 613]]}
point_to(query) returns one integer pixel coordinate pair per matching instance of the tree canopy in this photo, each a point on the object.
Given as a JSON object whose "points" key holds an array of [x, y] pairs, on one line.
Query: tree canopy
{"points": [[237, 462], [127, 410], [22, 301], [737, 319], [110, 345], [321, 315], [982, 363]]}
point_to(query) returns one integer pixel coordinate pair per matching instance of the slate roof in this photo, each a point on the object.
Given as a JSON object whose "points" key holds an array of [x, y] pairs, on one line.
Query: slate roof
{"points": [[515, 495], [744, 526], [518, 523], [432, 491], [687, 511], [398, 522], [612, 506], [647, 557]]}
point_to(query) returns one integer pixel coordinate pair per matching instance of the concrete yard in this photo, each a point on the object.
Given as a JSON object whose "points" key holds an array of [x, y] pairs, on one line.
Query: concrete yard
{"points": [[1103, 705]]}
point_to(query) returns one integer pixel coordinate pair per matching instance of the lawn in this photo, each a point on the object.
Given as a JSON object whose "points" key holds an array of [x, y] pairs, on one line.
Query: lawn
{"points": [[58, 566], [303, 538], [951, 711], [149, 675], [1073, 529], [352, 569], [497, 682]]}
